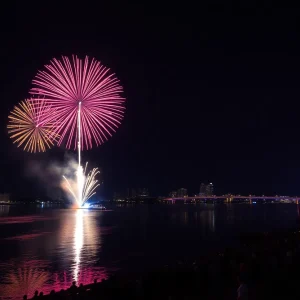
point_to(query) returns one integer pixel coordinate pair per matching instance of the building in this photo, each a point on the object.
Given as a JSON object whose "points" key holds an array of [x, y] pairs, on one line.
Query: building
{"points": [[202, 189], [4, 197], [182, 193], [206, 189], [143, 192], [209, 189], [137, 193], [117, 196], [131, 193], [173, 194]]}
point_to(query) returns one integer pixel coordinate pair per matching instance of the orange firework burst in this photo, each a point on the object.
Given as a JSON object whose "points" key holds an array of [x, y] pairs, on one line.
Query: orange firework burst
{"points": [[31, 125]]}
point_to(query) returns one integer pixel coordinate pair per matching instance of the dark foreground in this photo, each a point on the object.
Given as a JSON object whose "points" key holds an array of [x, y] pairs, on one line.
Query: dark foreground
{"points": [[267, 265]]}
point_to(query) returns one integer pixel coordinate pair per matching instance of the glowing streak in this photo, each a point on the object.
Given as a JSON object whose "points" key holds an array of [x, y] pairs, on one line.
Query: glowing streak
{"points": [[90, 185], [80, 175], [80, 184], [70, 188], [79, 135]]}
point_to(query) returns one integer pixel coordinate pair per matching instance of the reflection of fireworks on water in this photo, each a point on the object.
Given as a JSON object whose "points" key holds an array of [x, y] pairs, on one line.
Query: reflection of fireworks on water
{"points": [[31, 126], [27, 280], [24, 280], [85, 185], [79, 241], [85, 241], [85, 276]]}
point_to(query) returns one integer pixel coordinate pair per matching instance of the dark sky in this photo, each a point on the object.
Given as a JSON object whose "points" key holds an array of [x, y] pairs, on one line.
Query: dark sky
{"points": [[212, 91]]}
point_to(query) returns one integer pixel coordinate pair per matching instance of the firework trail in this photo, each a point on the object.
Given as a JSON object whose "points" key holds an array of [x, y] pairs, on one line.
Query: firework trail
{"points": [[87, 98], [31, 125]]}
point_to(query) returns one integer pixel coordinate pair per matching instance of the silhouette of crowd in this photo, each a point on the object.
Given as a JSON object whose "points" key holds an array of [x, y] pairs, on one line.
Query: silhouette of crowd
{"points": [[264, 266]]}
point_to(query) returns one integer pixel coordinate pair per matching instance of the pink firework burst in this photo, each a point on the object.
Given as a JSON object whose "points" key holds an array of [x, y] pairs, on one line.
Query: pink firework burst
{"points": [[68, 83]]}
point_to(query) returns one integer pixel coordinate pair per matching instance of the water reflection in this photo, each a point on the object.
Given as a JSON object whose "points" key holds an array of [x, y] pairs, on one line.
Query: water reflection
{"points": [[78, 242], [76, 246], [83, 241], [204, 215], [24, 278], [36, 275], [230, 213], [84, 244], [4, 210], [59, 246], [207, 219]]}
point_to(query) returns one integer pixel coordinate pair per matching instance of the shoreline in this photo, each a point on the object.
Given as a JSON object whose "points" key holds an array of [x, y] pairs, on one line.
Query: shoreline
{"points": [[268, 251]]}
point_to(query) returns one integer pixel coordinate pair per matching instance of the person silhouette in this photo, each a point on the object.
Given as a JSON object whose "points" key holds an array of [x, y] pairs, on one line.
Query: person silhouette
{"points": [[73, 288]]}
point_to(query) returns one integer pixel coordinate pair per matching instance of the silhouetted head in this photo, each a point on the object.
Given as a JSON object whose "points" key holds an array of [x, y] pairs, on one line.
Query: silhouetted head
{"points": [[41, 294], [36, 293], [74, 282], [95, 280], [25, 297], [81, 285]]}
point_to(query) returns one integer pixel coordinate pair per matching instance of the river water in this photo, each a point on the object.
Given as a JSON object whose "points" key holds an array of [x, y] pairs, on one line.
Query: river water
{"points": [[44, 248]]}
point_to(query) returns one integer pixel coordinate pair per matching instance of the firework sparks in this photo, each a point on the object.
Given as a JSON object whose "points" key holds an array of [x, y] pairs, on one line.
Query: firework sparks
{"points": [[85, 185], [31, 126], [70, 85]]}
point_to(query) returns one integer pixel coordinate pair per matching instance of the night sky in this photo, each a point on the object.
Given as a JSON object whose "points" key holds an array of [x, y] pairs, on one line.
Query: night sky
{"points": [[212, 92]]}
